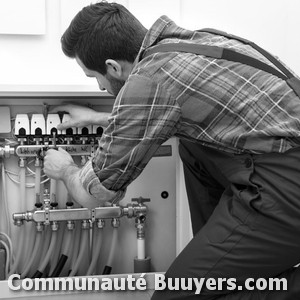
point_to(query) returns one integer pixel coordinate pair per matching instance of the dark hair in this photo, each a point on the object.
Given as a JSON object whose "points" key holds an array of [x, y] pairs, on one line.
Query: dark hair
{"points": [[101, 31]]}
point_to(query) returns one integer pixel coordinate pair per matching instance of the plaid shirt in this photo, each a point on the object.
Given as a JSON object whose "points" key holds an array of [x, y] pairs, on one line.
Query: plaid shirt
{"points": [[215, 102]]}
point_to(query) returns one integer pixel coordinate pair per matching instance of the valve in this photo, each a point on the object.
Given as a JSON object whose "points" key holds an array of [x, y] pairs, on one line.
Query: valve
{"points": [[6, 151], [140, 200]]}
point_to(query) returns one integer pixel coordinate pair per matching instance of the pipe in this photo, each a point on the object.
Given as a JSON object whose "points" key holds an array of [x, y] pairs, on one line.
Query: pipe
{"points": [[82, 250], [97, 242], [4, 194], [141, 248], [43, 265], [56, 254], [47, 239], [53, 184], [30, 230], [64, 254], [38, 180], [76, 244], [21, 231], [108, 266], [142, 264], [37, 246], [7, 252]]}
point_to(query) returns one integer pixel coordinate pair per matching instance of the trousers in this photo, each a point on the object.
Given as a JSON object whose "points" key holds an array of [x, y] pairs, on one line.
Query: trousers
{"points": [[245, 213]]}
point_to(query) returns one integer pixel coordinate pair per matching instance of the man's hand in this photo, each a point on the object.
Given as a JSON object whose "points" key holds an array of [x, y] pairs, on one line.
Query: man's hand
{"points": [[80, 116], [56, 163]]}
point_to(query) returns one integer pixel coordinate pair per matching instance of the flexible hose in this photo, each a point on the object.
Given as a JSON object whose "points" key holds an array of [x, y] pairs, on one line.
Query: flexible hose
{"points": [[53, 184], [108, 267], [67, 242], [113, 246], [4, 195], [45, 261], [60, 265], [82, 250], [76, 244], [37, 183], [37, 246], [47, 239], [97, 242], [56, 254], [64, 254], [21, 231], [7, 257], [30, 228]]}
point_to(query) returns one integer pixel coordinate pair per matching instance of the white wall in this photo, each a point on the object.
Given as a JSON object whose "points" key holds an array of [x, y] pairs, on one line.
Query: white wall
{"points": [[35, 61]]}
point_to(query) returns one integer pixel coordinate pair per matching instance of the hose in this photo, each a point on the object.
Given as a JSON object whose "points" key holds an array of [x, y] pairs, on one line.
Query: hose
{"points": [[38, 183], [53, 184], [37, 246], [76, 244], [21, 231], [64, 256], [43, 265], [60, 265], [83, 243], [108, 267], [97, 242], [56, 254], [4, 195], [7, 257]]}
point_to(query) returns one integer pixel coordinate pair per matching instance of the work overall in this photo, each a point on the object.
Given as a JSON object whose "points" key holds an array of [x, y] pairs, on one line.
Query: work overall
{"points": [[245, 212]]}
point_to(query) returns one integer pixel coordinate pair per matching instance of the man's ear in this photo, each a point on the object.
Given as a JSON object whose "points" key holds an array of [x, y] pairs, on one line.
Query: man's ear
{"points": [[114, 68]]}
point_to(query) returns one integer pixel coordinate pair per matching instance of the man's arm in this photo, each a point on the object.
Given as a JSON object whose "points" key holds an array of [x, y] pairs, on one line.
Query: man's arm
{"points": [[81, 116], [59, 165]]}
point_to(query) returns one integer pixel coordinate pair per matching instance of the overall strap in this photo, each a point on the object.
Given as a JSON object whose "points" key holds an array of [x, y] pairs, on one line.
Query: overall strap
{"points": [[291, 80], [265, 53], [214, 52], [231, 55]]}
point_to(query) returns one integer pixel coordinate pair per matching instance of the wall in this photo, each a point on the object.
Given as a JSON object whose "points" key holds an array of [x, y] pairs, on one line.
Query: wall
{"points": [[34, 61]]}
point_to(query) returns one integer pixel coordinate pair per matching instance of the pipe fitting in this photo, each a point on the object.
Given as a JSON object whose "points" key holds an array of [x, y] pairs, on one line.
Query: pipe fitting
{"points": [[115, 222], [70, 225], [100, 223], [54, 226], [22, 162], [6, 151], [39, 226], [85, 224]]}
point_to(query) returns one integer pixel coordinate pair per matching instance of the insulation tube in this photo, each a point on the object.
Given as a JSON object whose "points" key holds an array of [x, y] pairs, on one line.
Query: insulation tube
{"points": [[97, 242], [21, 231], [30, 228], [64, 255], [113, 246], [38, 182], [53, 184], [76, 244], [55, 255], [46, 259], [37, 246], [4, 195], [114, 239], [141, 249], [82, 251]]}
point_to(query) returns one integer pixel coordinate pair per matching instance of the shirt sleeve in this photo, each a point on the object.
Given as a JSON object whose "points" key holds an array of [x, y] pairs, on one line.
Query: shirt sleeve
{"points": [[143, 117]]}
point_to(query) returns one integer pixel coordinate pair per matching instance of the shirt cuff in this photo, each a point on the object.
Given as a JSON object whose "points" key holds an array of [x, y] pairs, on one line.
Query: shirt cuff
{"points": [[94, 187]]}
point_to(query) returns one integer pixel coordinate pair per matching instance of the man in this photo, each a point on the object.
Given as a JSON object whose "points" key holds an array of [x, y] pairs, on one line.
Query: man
{"points": [[239, 142]]}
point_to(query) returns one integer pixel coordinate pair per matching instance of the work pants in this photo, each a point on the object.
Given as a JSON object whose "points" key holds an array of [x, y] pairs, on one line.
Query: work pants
{"points": [[245, 212]]}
